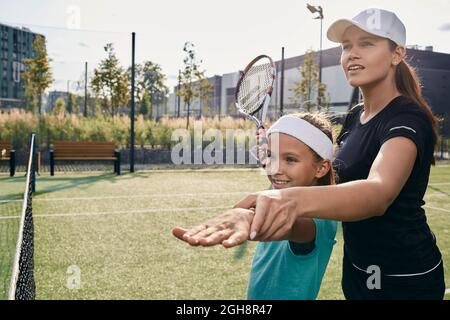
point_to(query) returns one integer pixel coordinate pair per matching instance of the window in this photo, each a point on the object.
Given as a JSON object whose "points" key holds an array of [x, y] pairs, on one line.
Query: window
{"points": [[16, 71]]}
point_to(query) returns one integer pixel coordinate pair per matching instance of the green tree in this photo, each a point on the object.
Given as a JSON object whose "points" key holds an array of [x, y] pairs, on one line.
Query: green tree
{"points": [[153, 82], [307, 89], [205, 95], [98, 110], [150, 81], [72, 104], [110, 82], [191, 75], [37, 75], [82, 94], [145, 105], [59, 107], [69, 103]]}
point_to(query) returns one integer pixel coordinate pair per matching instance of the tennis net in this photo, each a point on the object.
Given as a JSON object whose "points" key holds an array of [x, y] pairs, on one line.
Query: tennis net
{"points": [[22, 285]]}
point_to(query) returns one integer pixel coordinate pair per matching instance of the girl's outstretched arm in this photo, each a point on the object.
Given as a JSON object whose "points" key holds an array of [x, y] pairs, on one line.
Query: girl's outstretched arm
{"points": [[230, 229]]}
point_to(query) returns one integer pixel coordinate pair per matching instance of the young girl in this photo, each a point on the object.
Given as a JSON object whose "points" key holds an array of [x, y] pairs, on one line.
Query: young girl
{"points": [[293, 266]]}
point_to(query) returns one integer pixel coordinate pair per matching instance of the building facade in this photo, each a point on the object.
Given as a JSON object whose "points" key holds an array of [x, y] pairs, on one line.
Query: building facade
{"points": [[15, 47], [433, 69]]}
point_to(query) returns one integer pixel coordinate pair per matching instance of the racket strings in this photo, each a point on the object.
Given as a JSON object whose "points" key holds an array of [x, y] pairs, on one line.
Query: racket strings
{"points": [[254, 87]]}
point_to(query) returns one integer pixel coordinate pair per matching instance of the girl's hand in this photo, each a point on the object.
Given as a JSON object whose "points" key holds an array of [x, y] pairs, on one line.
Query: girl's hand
{"points": [[230, 229]]}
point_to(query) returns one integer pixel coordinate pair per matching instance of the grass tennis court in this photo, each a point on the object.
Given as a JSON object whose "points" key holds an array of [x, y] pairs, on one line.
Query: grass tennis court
{"points": [[116, 230]]}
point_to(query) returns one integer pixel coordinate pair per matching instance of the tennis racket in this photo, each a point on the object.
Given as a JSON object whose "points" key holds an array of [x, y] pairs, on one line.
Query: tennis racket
{"points": [[254, 90]]}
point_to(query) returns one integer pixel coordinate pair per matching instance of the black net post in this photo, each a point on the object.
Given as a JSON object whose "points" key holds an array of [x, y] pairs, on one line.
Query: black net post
{"points": [[33, 161], [133, 37]]}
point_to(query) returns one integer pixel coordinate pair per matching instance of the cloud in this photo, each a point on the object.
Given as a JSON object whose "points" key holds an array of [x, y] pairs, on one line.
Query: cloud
{"points": [[82, 44], [445, 27]]}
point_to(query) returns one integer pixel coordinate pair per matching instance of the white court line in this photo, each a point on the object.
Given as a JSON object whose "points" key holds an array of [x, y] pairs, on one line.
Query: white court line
{"points": [[164, 195], [135, 196], [439, 184], [436, 194], [77, 214], [6, 201], [434, 208], [9, 217], [161, 195]]}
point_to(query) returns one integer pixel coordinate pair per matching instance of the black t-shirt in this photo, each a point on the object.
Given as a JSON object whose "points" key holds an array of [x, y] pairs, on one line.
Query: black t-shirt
{"points": [[399, 241]]}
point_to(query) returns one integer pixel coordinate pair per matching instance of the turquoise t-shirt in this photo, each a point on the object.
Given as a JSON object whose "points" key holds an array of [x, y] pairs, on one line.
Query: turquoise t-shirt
{"points": [[278, 274]]}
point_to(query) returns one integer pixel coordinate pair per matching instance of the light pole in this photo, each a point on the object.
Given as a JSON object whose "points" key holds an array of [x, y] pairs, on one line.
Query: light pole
{"points": [[68, 101], [178, 95], [85, 89], [318, 9]]}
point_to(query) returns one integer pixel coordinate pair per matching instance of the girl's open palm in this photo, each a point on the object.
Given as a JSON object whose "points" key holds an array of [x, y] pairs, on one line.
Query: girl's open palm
{"points": [[230, 229]]}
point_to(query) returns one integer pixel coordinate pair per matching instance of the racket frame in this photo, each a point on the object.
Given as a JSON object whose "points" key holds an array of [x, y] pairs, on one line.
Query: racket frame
{"points": [[265, 104]]}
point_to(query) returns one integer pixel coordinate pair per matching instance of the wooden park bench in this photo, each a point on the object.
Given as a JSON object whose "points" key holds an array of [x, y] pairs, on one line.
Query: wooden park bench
{"points": [[8, 154], [84, 151]]}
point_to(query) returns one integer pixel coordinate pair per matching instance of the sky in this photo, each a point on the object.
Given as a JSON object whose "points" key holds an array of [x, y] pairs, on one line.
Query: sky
{"points": [[226, 34]]}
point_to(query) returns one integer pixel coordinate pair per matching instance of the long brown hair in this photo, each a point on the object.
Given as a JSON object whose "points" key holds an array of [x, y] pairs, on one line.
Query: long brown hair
{"points": [[409, 85], [321, 122]]}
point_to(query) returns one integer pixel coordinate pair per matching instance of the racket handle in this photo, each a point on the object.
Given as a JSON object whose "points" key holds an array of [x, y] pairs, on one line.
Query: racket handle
{"points": [[263, 141], [261, 146]]}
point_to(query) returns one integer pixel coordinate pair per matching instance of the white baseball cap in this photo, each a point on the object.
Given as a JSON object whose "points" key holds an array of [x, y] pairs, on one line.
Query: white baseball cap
{"points": [[378, 22]]}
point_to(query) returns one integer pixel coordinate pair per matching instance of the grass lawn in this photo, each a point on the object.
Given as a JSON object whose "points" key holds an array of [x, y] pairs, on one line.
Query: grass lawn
{"points": [[116, 230]]}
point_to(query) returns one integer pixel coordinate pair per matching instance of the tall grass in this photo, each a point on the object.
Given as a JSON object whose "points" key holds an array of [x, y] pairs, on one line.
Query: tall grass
{"points": [[16, 124]]}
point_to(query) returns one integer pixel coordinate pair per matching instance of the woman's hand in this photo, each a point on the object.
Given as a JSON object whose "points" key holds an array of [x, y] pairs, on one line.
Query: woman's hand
{"points": [[230, 229], [275, 213]]}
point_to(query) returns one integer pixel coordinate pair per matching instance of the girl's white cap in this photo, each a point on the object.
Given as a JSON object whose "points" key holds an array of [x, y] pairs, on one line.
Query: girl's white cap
{"points": [[378, 22], [307, 133]]}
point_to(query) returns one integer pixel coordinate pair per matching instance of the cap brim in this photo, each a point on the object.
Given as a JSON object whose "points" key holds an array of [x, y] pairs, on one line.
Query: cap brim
{"points": [[390, 28], [336, 31]]}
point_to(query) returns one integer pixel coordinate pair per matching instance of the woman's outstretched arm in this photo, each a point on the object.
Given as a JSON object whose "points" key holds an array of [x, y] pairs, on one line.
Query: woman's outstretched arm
{"points": [[277, 210]]}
